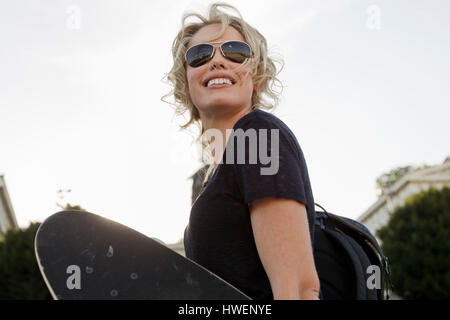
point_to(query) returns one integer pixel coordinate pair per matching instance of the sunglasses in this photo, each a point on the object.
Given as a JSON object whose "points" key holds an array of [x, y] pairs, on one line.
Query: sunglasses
{"points": [[236, 51]]}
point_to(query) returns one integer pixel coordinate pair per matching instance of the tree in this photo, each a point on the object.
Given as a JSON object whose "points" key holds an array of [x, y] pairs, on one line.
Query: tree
{"points": [[416, 240], [69, 206], [20, 278]]}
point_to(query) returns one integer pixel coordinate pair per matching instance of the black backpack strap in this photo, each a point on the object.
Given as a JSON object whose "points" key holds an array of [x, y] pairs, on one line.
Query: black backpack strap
{"points": [[370, 294], [360, 292], [333, 265]]}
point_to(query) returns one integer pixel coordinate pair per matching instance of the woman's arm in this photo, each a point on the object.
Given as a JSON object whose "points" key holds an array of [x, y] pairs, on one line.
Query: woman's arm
{"points": [[281, 232]]}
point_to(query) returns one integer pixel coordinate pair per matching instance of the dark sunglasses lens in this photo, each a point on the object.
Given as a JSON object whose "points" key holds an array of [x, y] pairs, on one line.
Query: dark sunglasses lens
{"points": [[199, 54], [236, 51]]}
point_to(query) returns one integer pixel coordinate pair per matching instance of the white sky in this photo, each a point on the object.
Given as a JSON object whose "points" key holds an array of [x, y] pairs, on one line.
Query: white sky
{"points": [[80, 108]]}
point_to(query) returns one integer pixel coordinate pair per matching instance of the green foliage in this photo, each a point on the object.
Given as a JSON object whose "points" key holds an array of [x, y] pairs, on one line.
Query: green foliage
{"points": [[416, 240], [69, 206], [20, 278]]}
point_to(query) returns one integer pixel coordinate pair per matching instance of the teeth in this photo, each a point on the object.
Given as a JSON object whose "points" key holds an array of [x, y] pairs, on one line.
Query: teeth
{"points": [[218, 81]]}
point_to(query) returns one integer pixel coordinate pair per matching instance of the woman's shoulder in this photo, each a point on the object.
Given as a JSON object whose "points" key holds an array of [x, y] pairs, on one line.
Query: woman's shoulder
{"points": [[260, 119]]}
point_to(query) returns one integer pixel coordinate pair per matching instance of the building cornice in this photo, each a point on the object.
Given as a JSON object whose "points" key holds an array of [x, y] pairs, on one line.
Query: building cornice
{"points": [[428, 175]]}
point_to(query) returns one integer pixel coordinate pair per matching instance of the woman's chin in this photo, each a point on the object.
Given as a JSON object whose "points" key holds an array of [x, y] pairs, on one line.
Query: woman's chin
{"points": [[219, 107]]}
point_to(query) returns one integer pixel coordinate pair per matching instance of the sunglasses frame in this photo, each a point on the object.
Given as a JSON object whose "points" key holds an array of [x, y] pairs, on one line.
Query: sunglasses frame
{"points": [[221, 51]]}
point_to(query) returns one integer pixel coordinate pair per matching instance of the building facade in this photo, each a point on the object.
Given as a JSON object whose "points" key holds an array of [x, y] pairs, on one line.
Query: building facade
{"points": [[7, 216]]}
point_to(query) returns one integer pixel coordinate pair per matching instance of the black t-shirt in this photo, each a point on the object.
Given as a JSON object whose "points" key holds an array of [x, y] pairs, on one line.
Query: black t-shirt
{"points": [[219, 235]]}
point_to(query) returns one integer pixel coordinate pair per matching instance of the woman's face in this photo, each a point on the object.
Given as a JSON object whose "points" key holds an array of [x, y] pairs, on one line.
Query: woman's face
{"points": [[217, 99]]}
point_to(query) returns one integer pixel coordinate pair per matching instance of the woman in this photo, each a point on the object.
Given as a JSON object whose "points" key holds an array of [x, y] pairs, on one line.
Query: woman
{"points": [[252, 229]]}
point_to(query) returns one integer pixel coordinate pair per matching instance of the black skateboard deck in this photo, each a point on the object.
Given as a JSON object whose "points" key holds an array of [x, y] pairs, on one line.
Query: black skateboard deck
{"points": [[84, 256]]}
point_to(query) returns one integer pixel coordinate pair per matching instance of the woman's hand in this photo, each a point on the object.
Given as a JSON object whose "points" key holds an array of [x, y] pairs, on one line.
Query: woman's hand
{"points": [[281, 232]]}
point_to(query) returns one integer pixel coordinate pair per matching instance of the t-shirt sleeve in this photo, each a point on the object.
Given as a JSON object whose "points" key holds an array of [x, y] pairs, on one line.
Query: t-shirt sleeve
{"points": [[272, 165]]}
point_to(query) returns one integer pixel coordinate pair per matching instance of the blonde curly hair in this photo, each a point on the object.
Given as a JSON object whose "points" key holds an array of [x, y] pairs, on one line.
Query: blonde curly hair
{"points": [[264, 71]]}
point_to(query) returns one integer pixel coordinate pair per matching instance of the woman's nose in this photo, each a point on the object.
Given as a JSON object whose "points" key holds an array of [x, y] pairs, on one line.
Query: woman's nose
{"points": [[218, 60]]}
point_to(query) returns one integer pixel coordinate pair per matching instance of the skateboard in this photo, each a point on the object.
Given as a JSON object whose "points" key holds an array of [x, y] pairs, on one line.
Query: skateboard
{"points": [[83, 256]]}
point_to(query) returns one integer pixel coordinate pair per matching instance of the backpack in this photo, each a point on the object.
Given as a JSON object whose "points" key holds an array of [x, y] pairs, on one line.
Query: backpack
{"points": [[349, 260]]}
